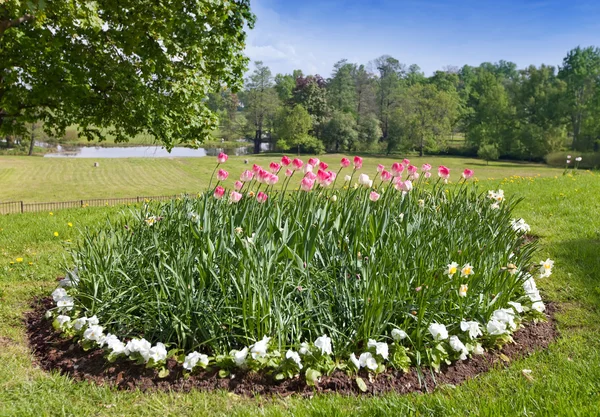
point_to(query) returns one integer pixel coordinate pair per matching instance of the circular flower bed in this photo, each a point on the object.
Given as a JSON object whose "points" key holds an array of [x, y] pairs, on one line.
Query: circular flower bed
{"points": [[395, 270]]}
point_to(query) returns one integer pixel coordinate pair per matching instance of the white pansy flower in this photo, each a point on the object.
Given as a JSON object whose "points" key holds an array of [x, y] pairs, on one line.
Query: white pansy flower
{"points": [[114, 344], [239, 356], [48, 314], [538, 306], [62, 320], [458, 346], [506, 316], [158, 352], [259, 349], [472, 327], [355, 361], [438, 331], [93, 333], [93, 320], [478, 349], [517, 306], [366, 360], [495, 327], [381, 348], [294, 356], [59, 293], [191, 360], [141, 346], [398, 334], [65, 304], [304, 347], [324, 344], [79, 323]]}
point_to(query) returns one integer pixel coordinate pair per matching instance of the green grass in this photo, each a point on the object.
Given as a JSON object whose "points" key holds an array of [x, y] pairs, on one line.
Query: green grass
{"points": [[563, 211], [60, 179]]}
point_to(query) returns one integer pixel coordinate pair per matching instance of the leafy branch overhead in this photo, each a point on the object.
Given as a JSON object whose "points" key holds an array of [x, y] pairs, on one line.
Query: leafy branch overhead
{"points": [[120, 68]]}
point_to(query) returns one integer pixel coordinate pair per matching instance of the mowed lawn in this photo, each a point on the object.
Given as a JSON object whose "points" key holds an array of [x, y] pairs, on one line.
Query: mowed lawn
{"points": [[563, 211], [32, 179]]}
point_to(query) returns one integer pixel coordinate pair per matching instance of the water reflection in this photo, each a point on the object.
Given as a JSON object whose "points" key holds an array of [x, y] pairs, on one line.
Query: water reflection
{"points": [[147, 152]]}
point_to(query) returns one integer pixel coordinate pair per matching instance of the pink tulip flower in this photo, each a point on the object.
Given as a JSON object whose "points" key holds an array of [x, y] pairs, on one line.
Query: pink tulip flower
{"points": [[238, 185], [374, 196], [306, 184], [397, 169], [271, 179], [307, 168], [380, 168], [221, 158], [386, 175], [289, 172], [246, 176], [313, 161], [234, 197], [222, 175], [467, 173], [297, 163], [256, 168], [426, 168], [406, 162], [427, 174], [411, 169], [311, 176], [345, 162], [219, 191], [274, 167], [358, 162], [444, 172], [285, 160], [323, 166], [261, 197]]}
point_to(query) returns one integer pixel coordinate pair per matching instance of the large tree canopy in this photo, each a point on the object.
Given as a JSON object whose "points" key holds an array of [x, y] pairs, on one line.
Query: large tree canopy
{"points": [[119, 67]]}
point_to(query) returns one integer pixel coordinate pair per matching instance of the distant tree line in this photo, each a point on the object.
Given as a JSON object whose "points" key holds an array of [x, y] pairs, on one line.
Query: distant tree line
{"points": [[387, 106]]}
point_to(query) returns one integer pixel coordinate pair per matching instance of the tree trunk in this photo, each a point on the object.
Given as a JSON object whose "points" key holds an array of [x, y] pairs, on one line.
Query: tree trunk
{"points": [[257, 141], [32, 140], [421, 147]]}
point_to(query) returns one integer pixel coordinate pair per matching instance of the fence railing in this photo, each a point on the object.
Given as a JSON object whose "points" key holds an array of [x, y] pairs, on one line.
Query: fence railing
{"points": [[23, 207]]}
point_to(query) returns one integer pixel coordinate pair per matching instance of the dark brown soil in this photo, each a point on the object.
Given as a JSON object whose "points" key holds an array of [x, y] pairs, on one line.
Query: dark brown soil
{"points": [[53, 352]]}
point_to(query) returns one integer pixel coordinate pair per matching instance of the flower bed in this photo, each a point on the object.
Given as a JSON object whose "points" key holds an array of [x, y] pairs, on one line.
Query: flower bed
{"points": [[392, 271]]}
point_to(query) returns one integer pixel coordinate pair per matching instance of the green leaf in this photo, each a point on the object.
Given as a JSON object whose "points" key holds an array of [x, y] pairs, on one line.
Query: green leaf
{"points": [[312, 376], [163, 373], [223, 373], [362, 385]]}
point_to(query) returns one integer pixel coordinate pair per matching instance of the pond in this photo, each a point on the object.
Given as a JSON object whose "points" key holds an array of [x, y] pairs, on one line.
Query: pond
{"points": [[147, 152]]}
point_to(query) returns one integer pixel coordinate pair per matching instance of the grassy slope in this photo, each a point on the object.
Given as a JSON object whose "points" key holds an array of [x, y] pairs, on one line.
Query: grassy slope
{"points": [[564, 211], [59, 179]]}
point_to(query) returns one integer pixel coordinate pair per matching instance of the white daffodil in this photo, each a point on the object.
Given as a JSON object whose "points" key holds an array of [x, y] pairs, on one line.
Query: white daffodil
{"points": [[517, 306], [458, 346], [294, 356], [472, 327], [398, 334], [158, 352], [324, 344], [495, 206], [93, 333], [462, 290], [520, 226], [259, 349], [62, 320], [79, 323], [381, 348], [495, 327], [452, 268], [366, 360], [466, 270], [239, 356], [59, 293], [438, 331], [546, 268], [355, 361]]}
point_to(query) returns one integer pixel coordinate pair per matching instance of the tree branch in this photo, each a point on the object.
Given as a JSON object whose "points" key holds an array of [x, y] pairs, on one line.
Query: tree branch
{"points": [[6, 24]]}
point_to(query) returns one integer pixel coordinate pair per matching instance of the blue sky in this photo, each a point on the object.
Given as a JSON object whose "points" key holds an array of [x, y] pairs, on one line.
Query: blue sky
{"points": [[312, 35]]}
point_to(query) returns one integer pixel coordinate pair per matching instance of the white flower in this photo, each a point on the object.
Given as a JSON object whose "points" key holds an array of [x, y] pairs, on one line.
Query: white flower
{"points": [[363, 179], [578, 159], [355, 361], [79, 323], [59, 293], [472, 327], [158, 353], [478, 349], [324, 343], [506, 316], [290, 354], [452, 268], [520, 226], [458, 346], [239, 356], [48, 314], [347, 178], [303, 348], [141, 346], [259, 349], [93, 320], [517, 306], [398, 334], [334, 198], [495, 206], [462, 291], [466, 270], [367, 360], [62, 320], [529, 285], [546, 268], [495, 327], [65, 304], [93, 333], [114, 344], [438, 331], [497, 196], [381, 348], [538, 306], [192, 359]]}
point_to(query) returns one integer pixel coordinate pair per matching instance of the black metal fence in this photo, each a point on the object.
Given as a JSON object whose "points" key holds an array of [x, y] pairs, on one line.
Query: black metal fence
{"points": [[23, 207]]}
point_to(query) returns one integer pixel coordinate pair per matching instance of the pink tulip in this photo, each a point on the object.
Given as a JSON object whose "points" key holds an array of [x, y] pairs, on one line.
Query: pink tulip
{"points": [[271, 179], [297, 163], [221, 158], [234, 197], [444, 172], [256, 168], [380, 168], [238, 185], [404, 185], [358, 161], [386, 175], [427, 174], [467, 173], [246, 176], [426, 168], [261, 197], [306, 184], [331, 177], [222, 175], [219, 191], [374, 196], [262, 176], [274, 167], [311, 176], [397, 169], [411, 169], [308, 168], [313, 161], [322, 176], [414, 176], [289, 172], [285, 160], [323, 166], [345, 162], [406, 162]]}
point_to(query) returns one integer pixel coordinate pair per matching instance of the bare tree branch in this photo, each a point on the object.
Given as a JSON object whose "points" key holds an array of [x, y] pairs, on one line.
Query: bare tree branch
{"points": [[6, 24]]}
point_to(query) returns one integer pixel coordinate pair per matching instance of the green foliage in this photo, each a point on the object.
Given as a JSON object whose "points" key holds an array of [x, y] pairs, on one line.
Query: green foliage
{"points": [[488, 152], [98, 65], [340, 132]]}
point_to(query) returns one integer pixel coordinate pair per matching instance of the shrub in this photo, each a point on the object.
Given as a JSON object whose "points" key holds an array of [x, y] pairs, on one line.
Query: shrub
{"points": [[407, 263], [488, 152]]}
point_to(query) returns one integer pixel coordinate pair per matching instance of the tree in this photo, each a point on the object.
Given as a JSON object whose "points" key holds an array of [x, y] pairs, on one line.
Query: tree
{"points": [[340, 132], [292, 127], [364, 85], [341, 88], [119, 67], [262, 101], [311, 93], [284, 85], [390, 71], [369, 131], [581, 72], [488, 152]]}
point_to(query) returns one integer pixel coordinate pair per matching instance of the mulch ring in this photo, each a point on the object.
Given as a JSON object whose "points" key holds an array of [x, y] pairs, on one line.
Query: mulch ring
{"points": [[53, 352]]}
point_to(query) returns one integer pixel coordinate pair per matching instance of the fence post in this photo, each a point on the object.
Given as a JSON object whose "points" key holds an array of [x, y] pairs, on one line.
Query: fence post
{"points": [[81, 201], [138, 199], [22, 207]]}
